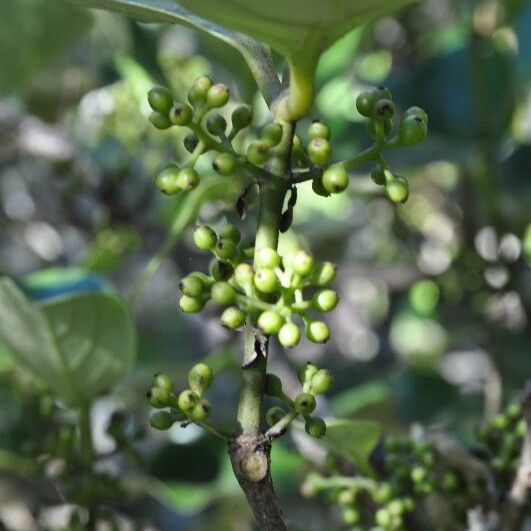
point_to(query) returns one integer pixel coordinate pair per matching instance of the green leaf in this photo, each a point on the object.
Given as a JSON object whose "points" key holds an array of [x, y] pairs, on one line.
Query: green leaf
{"points": [[80, 346], [354, 440]]}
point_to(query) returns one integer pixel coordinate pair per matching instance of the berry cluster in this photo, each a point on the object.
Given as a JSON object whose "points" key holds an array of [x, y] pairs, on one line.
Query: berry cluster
{"points": [[314, 382], [271, 294], [188, 405]]}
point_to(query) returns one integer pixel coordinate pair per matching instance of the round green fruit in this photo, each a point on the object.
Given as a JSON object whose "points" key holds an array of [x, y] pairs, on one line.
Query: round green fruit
{"points": [[317, 332], [266, 280], [201, 411], [305, 404], [272, 134], [335, 179], [233, 318], [318, 129], [188, 179], [168, 180], [231, 232], [217, 95], [307, 372], [192, 286], [191, 304], [325, 300], [160, 100], [160, 121], [270, 322], [164, 381], [274, 414], [257, 152], [198, 91], [322, 382], [161, 420], [289, 335], [187, 401], [397, 189], [216, 124], [224, 164], [223, 293], [241, 117], [413, 130], [315, 427], [267, 257], [181, 114], [319, 151], [205, 238], [200, 378]]}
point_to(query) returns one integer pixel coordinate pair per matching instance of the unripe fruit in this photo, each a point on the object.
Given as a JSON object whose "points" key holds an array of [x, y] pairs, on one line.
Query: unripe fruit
{"points": [[302, 263], [225, 249], [191, 304], [271, 134], [224, 163], [217, 95], [190, 142], [216, 124], [161, 420], [268, 258], [289, 335], [205, 238], [266, 280], [381, 93], [257, 152], [346, 497], [163, 381], [201, 411], [198, 91], [418, 474], [318, 129], [413, 130], [168, 180], [241, 117], [159, 397], [160, 100], [364, 104], [325, 300], [335, 179], [315, 427], [305, 404], [384, 109], [188, 179], [160, 121], [351, 516], [181, 114], [322, 382], [192, 286], [273, 415], [323, 274], [307, 372], [383, 493], [383, 518], [273, 385], [200, 378], [244, 275], [500, 422], [221, 270], [397, 189], [223, 293], [319, 151], [418, 113], [378, 175], [187, 401], [270, 322], [231, 232], [232, 318]]}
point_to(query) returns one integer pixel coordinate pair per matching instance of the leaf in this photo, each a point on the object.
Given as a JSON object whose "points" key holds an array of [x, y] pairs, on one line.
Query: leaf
{"points": [[80, 346], [354, 440], [256, 54]]}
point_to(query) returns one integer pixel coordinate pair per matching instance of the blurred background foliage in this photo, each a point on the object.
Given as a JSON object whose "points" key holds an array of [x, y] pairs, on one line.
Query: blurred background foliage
{"points": [[433, 325]]}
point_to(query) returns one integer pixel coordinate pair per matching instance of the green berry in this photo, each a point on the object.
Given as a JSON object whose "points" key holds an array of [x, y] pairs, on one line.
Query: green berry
{"points": [[224, 164], [217, 95], [244, 275], [192, 285], [223, 293], [273, 385], [191, 304], [418, 474], [302, 263], [231, 232], [318, 129], [160, 100], [190, 142], [346, 497], [198, 91], [232, 318], [221, 270], [378, 176], [181, 114], [319, 151], [168, 180], [317, 332], [274, 414], [397, 189], [188, 179], [266, 280], [205, 238], [257, 152], [315, 427], [159, 397], [201, 411], [160, 121], [272, 134], [305, 404], [324, 274], [383, 518], [216, 124], [413, 130], [322, 382], [381, 93], [418, 113], [289, 335], [164, 381], [307, 372], [225, 249], [241, 117], [325, 300], [384, 109], [187, 401], [500, 422], [270, 322], [335, 179], [365, 104], [383, 493], [351, 516], [267, 257], [514, 410], [200, 378], [161, 420]]}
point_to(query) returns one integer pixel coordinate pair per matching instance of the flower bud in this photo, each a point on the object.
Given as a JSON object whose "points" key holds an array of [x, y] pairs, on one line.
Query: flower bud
{"points": [[164, 381], [159, 397], [221, 270]]}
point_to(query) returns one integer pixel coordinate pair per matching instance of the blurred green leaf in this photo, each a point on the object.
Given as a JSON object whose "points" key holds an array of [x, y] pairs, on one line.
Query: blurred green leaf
{"points": [[360, 397], [80, 346]]}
